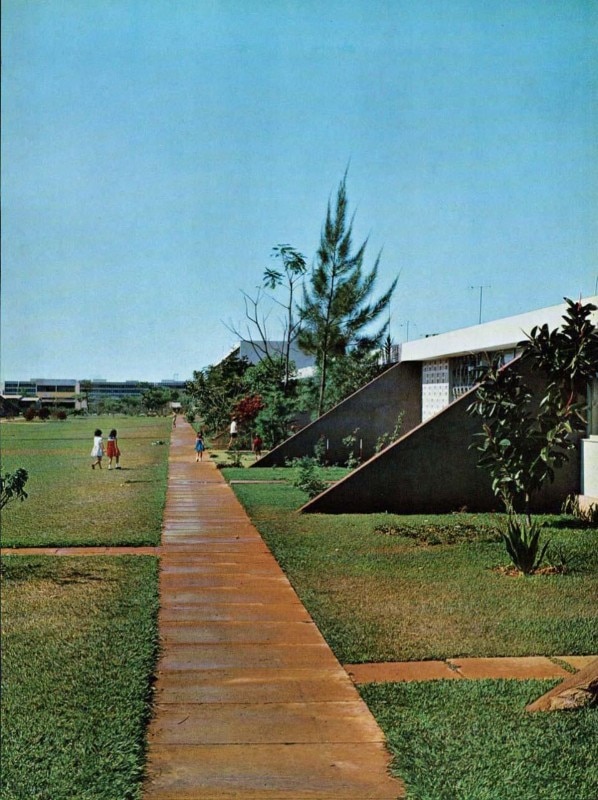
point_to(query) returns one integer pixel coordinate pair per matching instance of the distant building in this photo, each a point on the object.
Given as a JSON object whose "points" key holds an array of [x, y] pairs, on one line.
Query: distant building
{"points": [[254, 350], [70, 393]]}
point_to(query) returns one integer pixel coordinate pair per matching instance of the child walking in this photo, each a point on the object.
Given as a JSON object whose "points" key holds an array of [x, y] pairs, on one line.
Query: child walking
{"points": [[112, 449], [257, 446], [199, 447], [97, 451]]}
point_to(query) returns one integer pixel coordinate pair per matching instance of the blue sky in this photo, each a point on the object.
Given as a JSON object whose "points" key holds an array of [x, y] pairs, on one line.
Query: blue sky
{"points": [[155, 151]]}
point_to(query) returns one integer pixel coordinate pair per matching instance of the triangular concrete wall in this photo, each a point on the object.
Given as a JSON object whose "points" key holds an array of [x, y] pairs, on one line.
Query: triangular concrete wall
{"points": [[373, 409], [432, 469]]}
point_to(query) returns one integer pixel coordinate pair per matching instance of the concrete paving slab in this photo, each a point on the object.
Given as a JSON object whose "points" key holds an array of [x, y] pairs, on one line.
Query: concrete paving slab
{"points": [[401, 671], [223, 594], [227, 580], [254, 686], [242, 632], [226, 547], [224, 567], [81, 551], [272, 772], [231, 612], [263, 723], [537, 667], [198, 558], [236, 655], [577, 662]]}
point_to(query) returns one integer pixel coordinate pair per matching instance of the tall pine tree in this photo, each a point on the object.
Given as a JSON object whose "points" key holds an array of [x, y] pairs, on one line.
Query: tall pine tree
{"points": [[337, 312]]}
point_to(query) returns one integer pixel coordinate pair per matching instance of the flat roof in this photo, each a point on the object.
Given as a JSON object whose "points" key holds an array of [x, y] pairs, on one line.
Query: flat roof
{"points": [[501, 334]]}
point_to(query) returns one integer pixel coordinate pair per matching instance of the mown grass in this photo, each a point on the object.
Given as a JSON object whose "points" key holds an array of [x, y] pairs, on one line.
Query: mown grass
{"points": [[69, 503], [79, 649], [287, 474], [382, 595], [473, 740]]}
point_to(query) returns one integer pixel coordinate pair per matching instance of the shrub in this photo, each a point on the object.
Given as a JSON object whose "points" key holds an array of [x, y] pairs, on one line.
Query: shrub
{"points": [[29, 414], [308, 477], [350, 441], [44, 413], [386, 439], [522, 540], [62, 415], [12, 486], [320, 451]]}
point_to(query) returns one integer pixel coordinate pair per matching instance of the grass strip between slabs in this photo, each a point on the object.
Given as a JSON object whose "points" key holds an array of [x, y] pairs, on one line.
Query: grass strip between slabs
{"points": [[79, 648]]}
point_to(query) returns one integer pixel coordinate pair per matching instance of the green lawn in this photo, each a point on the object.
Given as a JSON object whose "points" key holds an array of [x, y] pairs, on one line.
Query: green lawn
{"points": [[384, 587], [71, 504], [287, 474], [79, 648], [473, 740], [381, 588]]}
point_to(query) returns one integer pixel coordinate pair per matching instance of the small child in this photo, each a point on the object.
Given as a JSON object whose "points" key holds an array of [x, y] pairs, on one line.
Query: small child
{"points": [[112, 449], [97, 451], [257, 446], [199, 447]]}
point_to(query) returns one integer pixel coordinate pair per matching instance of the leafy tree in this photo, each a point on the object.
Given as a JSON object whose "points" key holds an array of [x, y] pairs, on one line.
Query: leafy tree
{"points": [[274, 421], [109, 405], [523, 440], [526, 438], [247, 408], [345, 375], [336, 310], [12, 486], [85, 388], [215, 390], [292, 270], [130, 404], [155, 398]]}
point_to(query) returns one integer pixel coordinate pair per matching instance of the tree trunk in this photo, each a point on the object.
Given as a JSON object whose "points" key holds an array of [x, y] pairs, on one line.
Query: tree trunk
{"points": [[577, 691]]}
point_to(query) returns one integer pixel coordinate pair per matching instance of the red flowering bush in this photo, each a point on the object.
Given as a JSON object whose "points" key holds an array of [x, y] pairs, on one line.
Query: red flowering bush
{"points": [[247, 409]]}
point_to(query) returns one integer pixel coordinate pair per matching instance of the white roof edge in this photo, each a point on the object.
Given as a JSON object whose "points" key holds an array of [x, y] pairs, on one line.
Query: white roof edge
{"points": [[496, 335]]}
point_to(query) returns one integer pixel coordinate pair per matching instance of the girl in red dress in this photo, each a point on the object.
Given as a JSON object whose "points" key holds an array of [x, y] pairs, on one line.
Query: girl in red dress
{"points": [[112, 451]]}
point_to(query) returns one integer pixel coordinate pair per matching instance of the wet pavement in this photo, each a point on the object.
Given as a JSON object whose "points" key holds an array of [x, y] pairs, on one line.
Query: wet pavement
{"points": [[250, 702]]}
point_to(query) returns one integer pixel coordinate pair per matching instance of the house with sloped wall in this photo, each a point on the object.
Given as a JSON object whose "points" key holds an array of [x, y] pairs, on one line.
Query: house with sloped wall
{"points": [[430, 467]]}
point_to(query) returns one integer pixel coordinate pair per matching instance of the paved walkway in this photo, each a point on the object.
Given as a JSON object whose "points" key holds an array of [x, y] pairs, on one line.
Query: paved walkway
{"points": [[251, 704], [521, 668], [250, 701]]}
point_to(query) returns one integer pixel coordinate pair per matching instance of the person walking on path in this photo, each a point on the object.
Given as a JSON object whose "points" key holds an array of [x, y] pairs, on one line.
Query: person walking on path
{"points": [[199, 446], [257, 446], [233, 433], [112, 449], [97, 451]]}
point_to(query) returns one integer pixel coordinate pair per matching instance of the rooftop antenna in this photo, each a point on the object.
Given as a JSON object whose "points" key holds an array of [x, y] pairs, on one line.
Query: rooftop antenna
{"points": [[406, 325], [481, 287]]}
